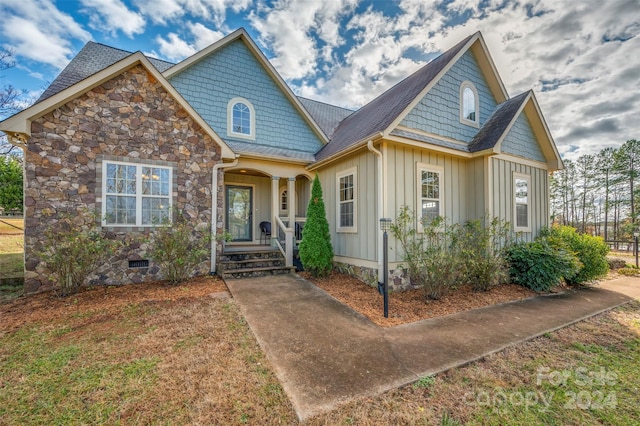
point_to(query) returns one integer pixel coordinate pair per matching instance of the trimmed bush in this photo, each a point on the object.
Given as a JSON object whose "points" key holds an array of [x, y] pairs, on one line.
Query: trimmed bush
{"points": [[481, 247], [316, 252], [539, 265], [432, 259], [178, 249], [74, 248], [591, 251]]}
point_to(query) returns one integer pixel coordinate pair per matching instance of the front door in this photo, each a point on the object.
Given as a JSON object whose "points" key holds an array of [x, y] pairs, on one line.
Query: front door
{"points": [[239, 212]]}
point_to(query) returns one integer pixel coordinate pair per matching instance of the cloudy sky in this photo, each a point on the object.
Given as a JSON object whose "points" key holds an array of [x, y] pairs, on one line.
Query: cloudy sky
{"points": [[581, 57]]}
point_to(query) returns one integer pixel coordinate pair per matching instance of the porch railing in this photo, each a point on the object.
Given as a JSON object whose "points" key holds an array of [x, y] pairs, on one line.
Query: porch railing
{"points": [[284, 241]]}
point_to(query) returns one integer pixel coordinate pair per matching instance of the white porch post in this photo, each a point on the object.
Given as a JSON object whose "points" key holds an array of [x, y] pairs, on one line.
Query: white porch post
{"points": [[275, 195], [291, 195]]}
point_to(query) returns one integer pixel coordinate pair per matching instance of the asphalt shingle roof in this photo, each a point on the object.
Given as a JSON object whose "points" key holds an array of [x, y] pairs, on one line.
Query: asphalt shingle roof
{"points": [[496, 125], [378, 114], [327, 116], [93, 57]]}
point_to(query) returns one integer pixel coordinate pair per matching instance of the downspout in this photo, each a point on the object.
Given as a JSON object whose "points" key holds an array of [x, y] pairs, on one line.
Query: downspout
{"points": [[380, 202], [214, 208]]}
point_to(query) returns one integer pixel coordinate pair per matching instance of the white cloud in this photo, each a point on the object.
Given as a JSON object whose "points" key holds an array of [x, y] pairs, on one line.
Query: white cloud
{"points": [[287, 29], [175, 48], [37, 30], [165, 11], [113, 15]]}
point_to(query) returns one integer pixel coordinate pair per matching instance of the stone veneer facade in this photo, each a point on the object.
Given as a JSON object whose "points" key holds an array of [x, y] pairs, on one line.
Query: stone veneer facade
{"points": [[129, 118]]}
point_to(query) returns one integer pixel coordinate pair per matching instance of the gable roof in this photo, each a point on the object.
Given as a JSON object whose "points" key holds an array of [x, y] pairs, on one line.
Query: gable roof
{"points": [[93, 57], [495, 127], [241, 34], [384, 113], [20, 123], [327, 116]]}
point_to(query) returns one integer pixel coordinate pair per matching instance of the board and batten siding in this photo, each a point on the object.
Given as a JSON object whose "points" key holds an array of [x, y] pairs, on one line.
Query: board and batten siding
{"points": [[503, 197], [363, 243], [402, 180]]}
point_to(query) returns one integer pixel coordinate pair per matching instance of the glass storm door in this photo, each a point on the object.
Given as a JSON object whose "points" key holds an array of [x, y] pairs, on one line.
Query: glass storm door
{"points": [[239, 212]]}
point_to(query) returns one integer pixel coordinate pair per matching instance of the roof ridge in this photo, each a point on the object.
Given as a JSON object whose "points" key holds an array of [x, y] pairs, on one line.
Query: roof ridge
{"points": [[326, 103]]}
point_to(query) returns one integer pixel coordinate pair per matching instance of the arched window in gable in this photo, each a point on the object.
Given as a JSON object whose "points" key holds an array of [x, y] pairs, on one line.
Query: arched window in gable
{"points": [[469, 104], [241, 119]]}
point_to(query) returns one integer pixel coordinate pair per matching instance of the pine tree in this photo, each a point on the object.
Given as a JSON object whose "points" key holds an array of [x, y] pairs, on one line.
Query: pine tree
{"points": [[316, 252]]}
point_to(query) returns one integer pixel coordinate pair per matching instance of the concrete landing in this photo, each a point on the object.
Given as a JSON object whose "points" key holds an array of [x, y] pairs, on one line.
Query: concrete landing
{"points": [[324, 353]]}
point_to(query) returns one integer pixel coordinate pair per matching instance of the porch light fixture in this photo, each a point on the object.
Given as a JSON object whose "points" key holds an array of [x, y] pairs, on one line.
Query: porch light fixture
{"points": [[385, 225]]}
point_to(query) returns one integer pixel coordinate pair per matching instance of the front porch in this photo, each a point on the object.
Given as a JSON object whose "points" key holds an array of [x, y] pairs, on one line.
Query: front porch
{"points": [[262, 210]]}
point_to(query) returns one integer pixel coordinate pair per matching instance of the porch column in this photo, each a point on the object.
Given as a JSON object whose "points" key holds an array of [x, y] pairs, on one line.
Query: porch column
{"points": [[275, 195], [291, 195]]}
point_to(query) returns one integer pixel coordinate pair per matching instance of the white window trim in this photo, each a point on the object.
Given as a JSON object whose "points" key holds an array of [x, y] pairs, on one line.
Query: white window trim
{"points": [[230, 132], [420, 167], [282, 191], [527, 178], [138, 194], [347, 229], [463, 119]]}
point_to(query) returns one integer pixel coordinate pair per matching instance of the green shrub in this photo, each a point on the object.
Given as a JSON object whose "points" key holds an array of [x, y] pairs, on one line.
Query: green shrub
{"points": [[178, 249], [630, 272], [316, 252], [481, 247], [591, 251], [74, 248], [539, 265], [431, 256]]}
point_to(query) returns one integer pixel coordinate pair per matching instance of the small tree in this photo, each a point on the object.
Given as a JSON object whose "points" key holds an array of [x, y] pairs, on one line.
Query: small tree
{"points": [[178, 248], [316, 252], [74, 248]]}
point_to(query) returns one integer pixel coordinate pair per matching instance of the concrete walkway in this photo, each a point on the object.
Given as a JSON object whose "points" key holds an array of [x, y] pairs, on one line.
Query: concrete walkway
{"points": [[324, 353]]}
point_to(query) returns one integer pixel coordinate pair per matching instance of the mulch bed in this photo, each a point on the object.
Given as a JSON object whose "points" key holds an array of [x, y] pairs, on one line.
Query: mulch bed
{"points": [[410, 306], [48, 307]]}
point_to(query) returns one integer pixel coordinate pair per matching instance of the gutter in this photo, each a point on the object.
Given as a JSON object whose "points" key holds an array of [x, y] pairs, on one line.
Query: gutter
{"points": [[380, 203], [356, 146], [214, 208]]}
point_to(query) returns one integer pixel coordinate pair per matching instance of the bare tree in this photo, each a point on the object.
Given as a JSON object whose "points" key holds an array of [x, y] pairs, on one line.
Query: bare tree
{"points": [[9, 97]]}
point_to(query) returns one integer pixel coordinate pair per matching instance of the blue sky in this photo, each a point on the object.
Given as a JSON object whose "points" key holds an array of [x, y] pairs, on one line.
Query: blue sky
{"points": [[581, 57]]}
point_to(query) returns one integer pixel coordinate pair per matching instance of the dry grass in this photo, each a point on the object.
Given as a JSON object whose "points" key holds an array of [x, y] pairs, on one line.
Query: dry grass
{"points": [[158, 354], [174, 355]]}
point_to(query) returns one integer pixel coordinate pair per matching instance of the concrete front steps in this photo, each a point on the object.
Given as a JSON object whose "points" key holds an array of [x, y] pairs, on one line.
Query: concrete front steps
{"points": [[252, 262]]}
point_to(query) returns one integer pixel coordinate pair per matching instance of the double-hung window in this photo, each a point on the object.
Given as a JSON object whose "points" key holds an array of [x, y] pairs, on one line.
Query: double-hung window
{"points": [[347, 199], [430, 188], [521, 211], [135, 194]]}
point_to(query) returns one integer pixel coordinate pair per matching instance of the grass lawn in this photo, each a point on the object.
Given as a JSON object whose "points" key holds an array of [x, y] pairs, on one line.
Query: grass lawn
{"points": [[11, 256], [176, 355]]}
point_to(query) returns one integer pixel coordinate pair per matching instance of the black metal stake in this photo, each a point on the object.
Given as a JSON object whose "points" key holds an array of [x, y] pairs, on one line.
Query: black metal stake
{"points": [[636, 249], [385, 260]]}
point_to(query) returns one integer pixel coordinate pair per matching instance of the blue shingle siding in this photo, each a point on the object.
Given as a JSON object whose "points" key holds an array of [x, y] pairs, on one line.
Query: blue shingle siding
{"points": [[439, 110], [233, 71], [521, 141]]}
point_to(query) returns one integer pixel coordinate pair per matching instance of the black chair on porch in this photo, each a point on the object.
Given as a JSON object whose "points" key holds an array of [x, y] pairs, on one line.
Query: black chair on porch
{"points": [[265, 231]]}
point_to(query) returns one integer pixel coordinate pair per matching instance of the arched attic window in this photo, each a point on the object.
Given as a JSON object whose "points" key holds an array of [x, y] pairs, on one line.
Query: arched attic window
{"points": [[241, 119], [469, 104]]}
